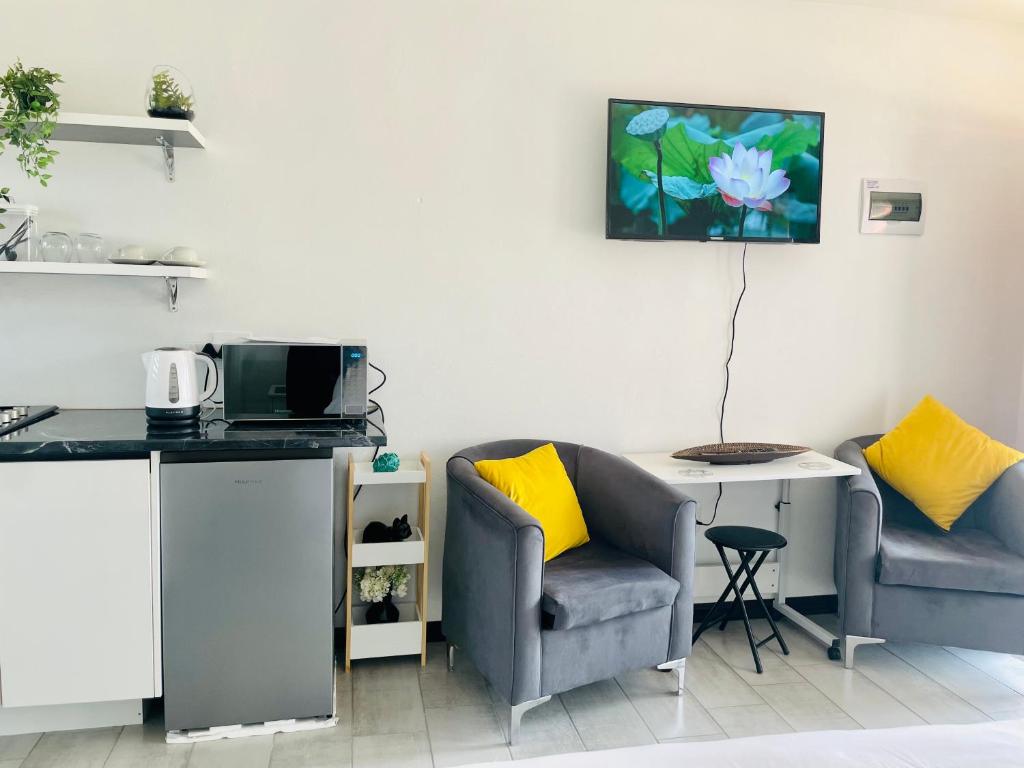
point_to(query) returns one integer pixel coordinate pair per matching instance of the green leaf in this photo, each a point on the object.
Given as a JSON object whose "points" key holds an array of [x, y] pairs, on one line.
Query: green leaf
{"points": [[685, 156], [683, 188], [636, 156], [793, 139]]}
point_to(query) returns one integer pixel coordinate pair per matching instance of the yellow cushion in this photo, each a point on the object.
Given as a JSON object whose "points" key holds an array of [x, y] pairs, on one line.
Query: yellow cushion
{"points": [[537, 482], [939, 461]]}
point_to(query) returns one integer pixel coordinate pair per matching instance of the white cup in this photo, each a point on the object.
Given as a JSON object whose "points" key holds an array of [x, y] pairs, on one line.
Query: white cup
{"points": [[132, 253], [182, 253]]}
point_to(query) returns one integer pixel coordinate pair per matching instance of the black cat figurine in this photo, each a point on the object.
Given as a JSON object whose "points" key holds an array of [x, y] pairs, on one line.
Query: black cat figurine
{"points": [[378, 533]]}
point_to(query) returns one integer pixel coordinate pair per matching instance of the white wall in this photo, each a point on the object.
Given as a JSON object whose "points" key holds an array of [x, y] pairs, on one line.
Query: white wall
{"points": [[430, 175]]}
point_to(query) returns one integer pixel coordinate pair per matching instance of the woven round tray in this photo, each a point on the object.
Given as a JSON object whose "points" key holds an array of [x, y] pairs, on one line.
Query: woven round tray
{"points": [[739, 453]]}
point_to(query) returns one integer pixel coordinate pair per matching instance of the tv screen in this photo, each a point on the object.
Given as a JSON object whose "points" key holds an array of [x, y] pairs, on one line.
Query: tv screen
{"points": [[697, 172]]}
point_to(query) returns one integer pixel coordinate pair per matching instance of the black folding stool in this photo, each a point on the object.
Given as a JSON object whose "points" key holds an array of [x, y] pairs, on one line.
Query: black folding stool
{"points": [[748, 542]]}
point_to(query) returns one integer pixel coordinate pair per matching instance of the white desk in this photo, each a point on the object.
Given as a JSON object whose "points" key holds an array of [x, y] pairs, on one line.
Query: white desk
{"points": [[803, 466]]}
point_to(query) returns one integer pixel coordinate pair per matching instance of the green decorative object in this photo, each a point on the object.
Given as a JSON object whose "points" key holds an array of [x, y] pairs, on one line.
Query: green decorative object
{"points": [[386, 462]]}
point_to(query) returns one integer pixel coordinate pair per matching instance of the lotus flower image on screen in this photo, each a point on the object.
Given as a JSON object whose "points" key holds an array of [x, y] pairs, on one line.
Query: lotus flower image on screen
{"points": [[691, 172]]}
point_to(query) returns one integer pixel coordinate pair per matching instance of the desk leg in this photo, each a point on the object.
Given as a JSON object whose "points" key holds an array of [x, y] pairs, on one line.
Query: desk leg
{"points": [[815, 630]]}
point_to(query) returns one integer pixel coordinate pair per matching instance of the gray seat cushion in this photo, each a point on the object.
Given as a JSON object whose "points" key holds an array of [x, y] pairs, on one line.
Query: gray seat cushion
{"points": [[597, 582], [968, 559]]}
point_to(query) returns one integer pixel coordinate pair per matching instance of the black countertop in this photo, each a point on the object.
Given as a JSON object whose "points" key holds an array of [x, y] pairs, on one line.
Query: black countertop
{"points": [[118, 433]]}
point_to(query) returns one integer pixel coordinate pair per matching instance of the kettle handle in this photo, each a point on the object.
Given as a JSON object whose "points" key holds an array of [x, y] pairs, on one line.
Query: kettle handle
{"points": [[211, 386]]}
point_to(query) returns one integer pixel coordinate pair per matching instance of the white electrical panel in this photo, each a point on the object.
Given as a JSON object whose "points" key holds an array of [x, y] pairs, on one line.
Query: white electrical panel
{"points": [[892, 207]]}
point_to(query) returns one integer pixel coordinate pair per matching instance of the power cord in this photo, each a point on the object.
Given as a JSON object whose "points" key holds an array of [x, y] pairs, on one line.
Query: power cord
{"points": [[728, 360], [376, 409]]}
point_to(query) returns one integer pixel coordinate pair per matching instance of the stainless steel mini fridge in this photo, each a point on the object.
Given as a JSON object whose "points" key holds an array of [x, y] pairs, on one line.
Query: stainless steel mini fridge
{"points": [[246, 551]]}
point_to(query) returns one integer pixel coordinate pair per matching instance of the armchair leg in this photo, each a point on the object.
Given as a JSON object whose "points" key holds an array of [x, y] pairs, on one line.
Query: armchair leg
{"points": [[451, 656], [518, 710], [850, 643], [679, 665]]}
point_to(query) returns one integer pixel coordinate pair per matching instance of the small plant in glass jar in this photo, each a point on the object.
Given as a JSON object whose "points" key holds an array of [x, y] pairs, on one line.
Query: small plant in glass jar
{"points": [[169, 94]]}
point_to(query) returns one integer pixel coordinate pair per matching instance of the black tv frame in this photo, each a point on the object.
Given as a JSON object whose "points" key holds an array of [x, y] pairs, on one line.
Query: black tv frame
{"points": [[675, 238]]}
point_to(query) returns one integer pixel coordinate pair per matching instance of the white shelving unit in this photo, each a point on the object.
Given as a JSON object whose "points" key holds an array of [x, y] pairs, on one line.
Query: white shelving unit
{"points": [[123, 129], [169, 274], [129, 129], [408, 635]]}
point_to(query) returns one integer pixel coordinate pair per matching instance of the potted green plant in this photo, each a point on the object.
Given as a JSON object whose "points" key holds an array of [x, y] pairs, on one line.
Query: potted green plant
{"points": [[28, 114], [30, 106], [169, 95]]}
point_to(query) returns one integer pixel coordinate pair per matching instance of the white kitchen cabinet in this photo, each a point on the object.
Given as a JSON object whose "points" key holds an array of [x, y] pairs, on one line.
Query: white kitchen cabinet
{"points": [[78, 611]]}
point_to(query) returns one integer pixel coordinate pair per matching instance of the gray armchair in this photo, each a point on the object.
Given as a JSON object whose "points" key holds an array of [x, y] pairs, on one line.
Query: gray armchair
{"points": [[623, 601], [900, 578]]}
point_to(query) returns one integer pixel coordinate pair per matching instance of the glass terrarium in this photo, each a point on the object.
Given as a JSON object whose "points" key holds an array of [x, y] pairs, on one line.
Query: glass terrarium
{"points": [[18, 236], [170, 94]]}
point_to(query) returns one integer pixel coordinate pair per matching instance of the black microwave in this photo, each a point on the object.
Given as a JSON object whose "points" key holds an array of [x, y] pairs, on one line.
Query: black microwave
{"points": [[294, 382]]}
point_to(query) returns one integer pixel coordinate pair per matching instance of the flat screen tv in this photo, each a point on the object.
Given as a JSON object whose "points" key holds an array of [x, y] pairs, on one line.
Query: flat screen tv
{"points": [[698, 172]]}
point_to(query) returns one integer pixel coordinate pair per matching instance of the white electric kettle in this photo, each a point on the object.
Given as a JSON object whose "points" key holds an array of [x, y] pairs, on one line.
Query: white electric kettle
{"points": [[172, 385]]}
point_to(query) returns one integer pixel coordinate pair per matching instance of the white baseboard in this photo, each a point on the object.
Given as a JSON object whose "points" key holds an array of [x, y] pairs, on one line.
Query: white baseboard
{"points": [[68, 717]]}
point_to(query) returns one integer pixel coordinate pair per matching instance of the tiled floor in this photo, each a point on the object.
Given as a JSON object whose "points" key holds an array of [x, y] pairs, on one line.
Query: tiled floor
{"points": [[394, 714]]}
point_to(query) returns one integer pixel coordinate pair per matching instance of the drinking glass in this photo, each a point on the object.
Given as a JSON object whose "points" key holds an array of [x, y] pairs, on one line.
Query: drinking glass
{"points": [[56, 246], [89, 248]]}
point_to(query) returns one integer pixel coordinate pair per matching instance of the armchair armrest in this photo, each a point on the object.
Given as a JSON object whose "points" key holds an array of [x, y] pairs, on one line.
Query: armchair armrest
{"points": [[858, 528], [1002, 508], [647, 518], [493, 574]]}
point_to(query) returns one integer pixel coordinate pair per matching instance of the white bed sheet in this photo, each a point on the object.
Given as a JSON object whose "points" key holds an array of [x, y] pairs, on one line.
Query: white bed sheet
{"points": [[985, 745]]}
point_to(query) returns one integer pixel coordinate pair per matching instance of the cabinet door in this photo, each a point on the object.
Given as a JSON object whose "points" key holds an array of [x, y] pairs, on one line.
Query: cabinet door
{"points": [[76, 582]]}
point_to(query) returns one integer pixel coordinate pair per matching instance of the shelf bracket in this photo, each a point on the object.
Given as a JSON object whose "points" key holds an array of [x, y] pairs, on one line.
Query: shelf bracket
{"points": [[172, 293], [168, 150]]}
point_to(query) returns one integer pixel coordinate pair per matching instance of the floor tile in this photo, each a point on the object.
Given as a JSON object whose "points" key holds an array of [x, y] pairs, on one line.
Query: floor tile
{"points": [[343, 706], [324, 748], [966, 681], [604, 717], [666, 714], [17, 747], [803, 649], [10, 763], [247, 752], [145, 746], [806, 708], [441, 688], [732, 646], [544, 730], [858, 697], [1007, 669], [751, 720], [922, 695], [462, 735], [342, 679], [714, 683], [397, 673], [73, 749], [399, 750], [376, 712], [684, 739], [1009, 714]]}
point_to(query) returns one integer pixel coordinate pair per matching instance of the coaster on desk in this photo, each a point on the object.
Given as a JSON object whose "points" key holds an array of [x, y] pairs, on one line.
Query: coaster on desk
{"points": [[814, 465]]}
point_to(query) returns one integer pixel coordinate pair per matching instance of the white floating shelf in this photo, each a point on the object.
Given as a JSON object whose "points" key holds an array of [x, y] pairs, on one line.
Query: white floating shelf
{"points": [[407, 552], [122, 270], [402, 638], [409, 470], [169, 274], [160, 132], [126, 129]]}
